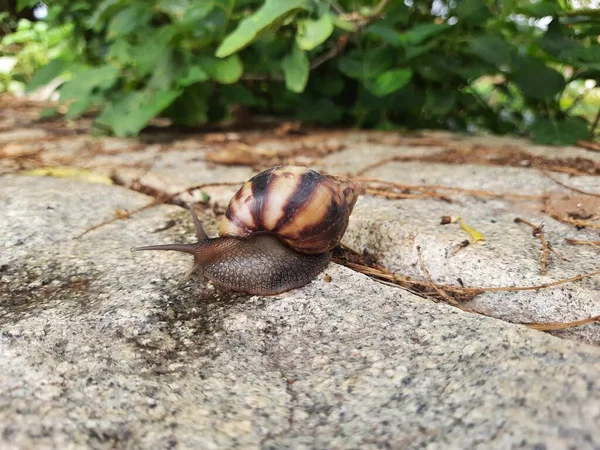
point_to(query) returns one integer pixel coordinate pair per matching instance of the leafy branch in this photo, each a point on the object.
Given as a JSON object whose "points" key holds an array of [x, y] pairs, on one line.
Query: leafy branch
{"points": [[372, 63]]}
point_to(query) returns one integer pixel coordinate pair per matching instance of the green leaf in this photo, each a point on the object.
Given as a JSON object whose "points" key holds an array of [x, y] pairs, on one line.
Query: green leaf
{"points": [[239, 95], [420, 33], [195, 74], [389, 82], [152, 46], [207, 30], [329, 85], [430, 72], [556, 39], [384, 29], [78, 107], [194, 13], [49, 113], [439, 102], [560, 132], [268, 16], [539, 9], [312, 33], [473, 12], [362, 66], [492, 48], [342, 24], [191, 108], [320, 110], [128, 20], [132, 112], [105, 10], [224, 71], [295, 69], [535, 79], [589, 53], [84, 82], [46, 74], [121, 52], [177, 8], [170, 67], [411, 52], [398, 13], [22, 4]]}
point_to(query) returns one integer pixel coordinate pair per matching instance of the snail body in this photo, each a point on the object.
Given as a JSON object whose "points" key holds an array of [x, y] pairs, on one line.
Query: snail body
{"points": [[277, 231]]}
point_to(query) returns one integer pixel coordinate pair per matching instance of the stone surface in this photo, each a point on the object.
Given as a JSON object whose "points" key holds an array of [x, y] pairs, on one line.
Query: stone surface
{"points": [[102, 348], [509, 256]]}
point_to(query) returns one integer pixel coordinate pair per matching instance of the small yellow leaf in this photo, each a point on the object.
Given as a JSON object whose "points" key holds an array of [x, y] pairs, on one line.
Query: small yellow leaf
{"points": [[69, 172], [476, 235]]}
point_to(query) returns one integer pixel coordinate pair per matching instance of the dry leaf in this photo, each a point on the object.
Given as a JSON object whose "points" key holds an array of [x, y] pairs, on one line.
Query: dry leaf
{"points": [[238, 153], [69, 172]]}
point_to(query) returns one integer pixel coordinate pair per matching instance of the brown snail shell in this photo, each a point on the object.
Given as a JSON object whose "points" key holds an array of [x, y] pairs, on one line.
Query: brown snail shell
{"points": [[305, 209]]}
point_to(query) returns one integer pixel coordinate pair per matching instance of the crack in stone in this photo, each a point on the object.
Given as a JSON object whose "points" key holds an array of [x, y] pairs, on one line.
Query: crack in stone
{"points": [[292, 410]]}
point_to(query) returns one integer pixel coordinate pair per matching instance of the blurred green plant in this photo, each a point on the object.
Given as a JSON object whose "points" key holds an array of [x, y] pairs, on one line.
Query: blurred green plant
{"points": [[30, 47], [509, 66]]}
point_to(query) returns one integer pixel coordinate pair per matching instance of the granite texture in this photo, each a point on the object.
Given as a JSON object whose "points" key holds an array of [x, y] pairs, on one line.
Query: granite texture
{"points": [[101, 348]]}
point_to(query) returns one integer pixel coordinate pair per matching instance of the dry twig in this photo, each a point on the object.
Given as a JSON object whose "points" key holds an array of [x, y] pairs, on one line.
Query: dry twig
{"points": [[562, 325], [571, 221], [439, 290], [398, 195], [538, 232], [570, 188], [455, 294], [589, 145], [430, 190], [494, 156], [162, 199], [595, 244]]}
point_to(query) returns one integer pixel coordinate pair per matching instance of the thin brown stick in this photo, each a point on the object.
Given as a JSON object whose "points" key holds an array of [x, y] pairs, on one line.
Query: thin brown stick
{"points": [[467, 290], [557, 253], [570, 188], [537, 287], [538, 231], [439, 290], [590, 145], [571, 221], [433, 187], [394, 195], [118, 217], [595, 244], [473, 154], [158, 201], [562, 325], [376, 164]]}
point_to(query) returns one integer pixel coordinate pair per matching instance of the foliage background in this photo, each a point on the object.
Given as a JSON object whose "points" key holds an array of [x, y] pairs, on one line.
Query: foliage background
{"points": [[507, 66]]}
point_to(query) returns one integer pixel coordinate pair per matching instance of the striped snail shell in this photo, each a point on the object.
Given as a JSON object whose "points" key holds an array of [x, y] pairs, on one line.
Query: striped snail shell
{"points": [[306, 210], [276, 233]]}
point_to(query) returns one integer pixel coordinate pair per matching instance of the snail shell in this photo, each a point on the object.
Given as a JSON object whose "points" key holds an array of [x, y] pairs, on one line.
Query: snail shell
{"points": [[308, 211]]}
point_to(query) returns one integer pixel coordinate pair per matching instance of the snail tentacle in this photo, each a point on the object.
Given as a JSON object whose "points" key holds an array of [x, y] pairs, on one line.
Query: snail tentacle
{"points": [[184, 248], [200, 233]]}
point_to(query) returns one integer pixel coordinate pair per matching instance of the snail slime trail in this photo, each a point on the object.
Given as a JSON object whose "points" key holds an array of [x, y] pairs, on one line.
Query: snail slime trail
{"points": [[277, 232]]}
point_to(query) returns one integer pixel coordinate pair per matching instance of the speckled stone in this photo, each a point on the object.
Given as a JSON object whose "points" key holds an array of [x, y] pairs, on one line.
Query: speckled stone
{"points": [[101, 348], [509, 255]]}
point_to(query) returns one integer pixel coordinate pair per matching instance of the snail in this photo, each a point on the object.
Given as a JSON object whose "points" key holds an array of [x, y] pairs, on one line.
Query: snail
{"points": [[277, 231]]}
